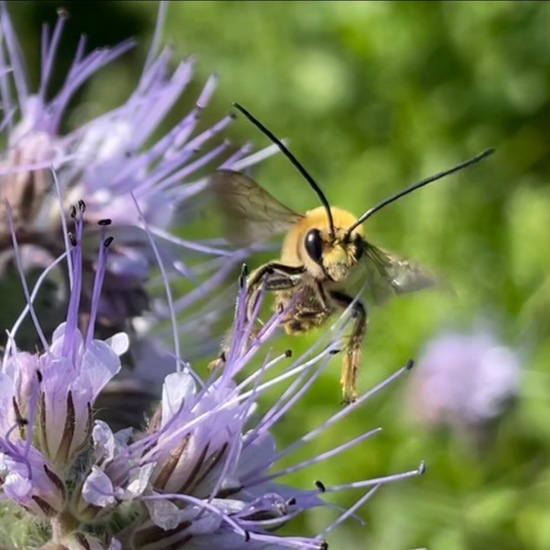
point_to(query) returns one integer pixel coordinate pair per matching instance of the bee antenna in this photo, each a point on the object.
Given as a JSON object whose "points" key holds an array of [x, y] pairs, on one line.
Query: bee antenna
{"points": [[294, 161], [416, 186]]}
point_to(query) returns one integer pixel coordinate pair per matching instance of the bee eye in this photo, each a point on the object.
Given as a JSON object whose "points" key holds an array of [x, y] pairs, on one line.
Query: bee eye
{"points": [[314, 245], [358, 246]]}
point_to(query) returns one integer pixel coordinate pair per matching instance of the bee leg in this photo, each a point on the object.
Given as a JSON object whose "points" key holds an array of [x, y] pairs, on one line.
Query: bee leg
{"points": [[352, 359], [279, 277], [273, 276], [218, 362]]}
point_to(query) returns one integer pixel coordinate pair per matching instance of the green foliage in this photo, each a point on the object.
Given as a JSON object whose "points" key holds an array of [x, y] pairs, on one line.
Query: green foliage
{"points": [[374, 96], [20, 530]]}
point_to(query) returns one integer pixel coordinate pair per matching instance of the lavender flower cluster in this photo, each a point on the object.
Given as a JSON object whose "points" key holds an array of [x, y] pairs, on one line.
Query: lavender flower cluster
{"points": [[203, 472]]}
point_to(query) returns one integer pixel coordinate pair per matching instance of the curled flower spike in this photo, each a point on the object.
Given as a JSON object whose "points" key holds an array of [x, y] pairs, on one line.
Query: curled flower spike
{"points": [[103, 161], [206, 468], [46, 399]]}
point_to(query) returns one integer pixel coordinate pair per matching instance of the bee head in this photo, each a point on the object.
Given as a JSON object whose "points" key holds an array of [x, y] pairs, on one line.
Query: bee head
{"points": [[331, 238], [329, 254]]}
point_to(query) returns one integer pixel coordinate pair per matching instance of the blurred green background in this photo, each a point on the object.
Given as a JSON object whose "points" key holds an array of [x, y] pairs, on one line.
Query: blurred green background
{"points": [[374, 96]]}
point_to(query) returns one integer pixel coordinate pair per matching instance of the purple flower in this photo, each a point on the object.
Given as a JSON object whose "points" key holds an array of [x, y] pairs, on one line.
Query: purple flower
{"points": [[110, 163], [463, 380], [205, 473], [29, 480], [46, 398], [206, 468], [105, 160]]}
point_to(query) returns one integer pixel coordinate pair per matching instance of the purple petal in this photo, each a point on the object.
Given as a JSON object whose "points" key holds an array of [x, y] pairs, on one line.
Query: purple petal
{"points": [[98, 489]]}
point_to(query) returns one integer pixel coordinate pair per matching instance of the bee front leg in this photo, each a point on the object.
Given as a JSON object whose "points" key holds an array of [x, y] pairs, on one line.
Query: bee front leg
{"points": [[275, 276], [272, 276], [352, 359]]}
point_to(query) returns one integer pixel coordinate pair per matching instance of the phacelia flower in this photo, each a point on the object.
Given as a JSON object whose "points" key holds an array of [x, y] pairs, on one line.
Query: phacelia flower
{"points": [[110, 162], [463, 380], [29, 480], [206, 467], [204, 474], [46, 398], [206, 471], [102, 162]]}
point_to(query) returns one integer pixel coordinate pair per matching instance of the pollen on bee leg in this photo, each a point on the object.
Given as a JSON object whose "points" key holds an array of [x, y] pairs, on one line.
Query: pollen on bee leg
{"points": [[218, 362], [350, 371]]}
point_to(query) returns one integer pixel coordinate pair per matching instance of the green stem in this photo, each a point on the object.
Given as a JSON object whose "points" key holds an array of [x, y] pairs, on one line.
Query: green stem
{"points": [[62, 525]]}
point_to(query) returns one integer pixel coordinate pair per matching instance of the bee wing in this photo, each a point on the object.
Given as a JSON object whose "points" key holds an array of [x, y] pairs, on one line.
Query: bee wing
{"points": [[250, 214], [388, 274]]}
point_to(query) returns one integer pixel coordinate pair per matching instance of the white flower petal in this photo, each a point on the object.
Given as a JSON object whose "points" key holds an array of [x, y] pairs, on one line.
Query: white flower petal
{"points": [[164, 513], [16, 486], [177, 387], [119, 343], [99, 364], [104, 441], [98, 489], [139, 480]]}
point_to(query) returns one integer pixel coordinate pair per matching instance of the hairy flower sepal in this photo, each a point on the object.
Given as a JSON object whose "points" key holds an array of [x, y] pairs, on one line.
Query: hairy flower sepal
{"points": [[73, 372], [115, 476], [78, 540], [29, 480]]}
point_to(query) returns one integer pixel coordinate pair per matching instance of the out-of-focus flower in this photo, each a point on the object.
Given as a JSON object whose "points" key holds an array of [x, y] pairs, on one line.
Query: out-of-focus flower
{"points": [[463, 380], [205, 472], [102, 162]]}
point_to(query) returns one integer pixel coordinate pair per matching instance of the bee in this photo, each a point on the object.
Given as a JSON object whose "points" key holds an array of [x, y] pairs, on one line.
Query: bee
{"points": [[325, 258]]}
